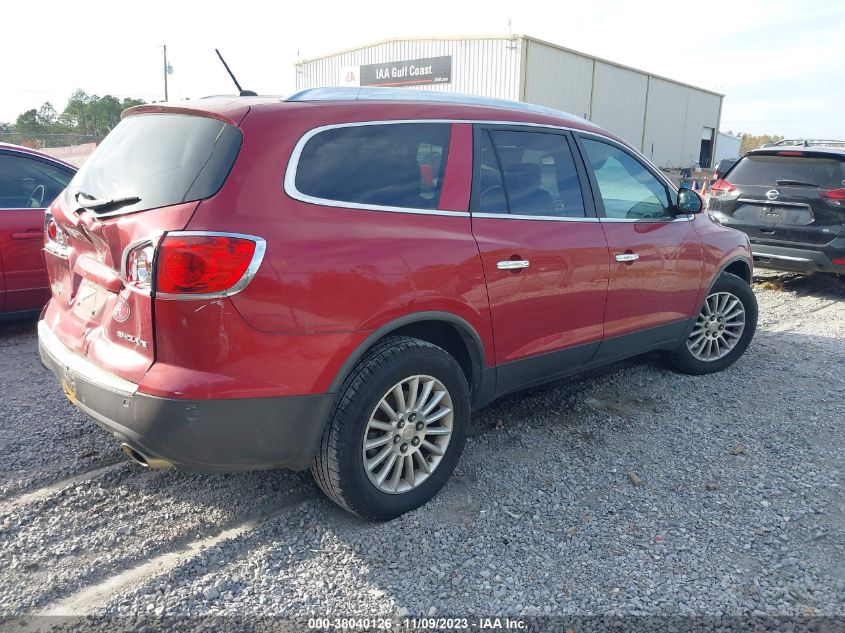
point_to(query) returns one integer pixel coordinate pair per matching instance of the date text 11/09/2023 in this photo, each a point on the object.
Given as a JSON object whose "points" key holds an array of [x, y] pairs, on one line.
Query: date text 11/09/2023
{"points": [[421, 623]]}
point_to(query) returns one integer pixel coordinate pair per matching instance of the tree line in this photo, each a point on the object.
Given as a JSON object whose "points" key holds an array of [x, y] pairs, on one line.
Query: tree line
{"points": [[88, 116]]}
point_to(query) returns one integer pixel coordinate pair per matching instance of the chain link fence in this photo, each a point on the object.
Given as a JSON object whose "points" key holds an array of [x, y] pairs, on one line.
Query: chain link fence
{"points": [[71, 148]]}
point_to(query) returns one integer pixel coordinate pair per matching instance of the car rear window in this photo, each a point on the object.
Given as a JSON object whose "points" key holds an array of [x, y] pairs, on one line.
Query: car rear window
{"points": [[391, 165], [163, 159], [826, 173]]}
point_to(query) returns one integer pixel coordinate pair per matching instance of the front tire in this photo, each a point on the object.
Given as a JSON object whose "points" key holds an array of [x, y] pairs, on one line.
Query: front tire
{"points": [[396, 431], [723, 328]]}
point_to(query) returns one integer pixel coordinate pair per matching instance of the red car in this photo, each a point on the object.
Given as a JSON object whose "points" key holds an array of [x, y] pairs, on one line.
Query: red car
{"points": [[337, 279], [29, 181]]}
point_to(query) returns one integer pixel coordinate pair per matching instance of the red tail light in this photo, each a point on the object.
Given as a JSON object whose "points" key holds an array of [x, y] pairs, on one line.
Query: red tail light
{"points": [[721, 188], [206, 264], [792, 153], [55, 239], [834, 194]]}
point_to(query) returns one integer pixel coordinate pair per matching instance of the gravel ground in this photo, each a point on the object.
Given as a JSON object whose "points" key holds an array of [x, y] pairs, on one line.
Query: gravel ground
{"points": [[634, 490]]}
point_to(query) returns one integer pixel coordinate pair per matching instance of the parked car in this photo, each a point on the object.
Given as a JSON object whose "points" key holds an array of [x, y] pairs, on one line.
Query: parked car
{"points": [[336, 280], [722, 168], [29, 181], [791, 203]]}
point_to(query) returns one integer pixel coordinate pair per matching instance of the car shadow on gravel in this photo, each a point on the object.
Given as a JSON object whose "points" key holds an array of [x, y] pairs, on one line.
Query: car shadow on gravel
{"points": [[820, 285]]}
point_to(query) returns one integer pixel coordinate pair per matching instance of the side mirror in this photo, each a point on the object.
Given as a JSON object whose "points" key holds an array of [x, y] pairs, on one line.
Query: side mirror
{"points": [[689, 201]]}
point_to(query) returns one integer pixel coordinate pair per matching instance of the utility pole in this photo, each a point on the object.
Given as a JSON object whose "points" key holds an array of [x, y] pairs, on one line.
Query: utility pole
{"points": [[164, 46]]}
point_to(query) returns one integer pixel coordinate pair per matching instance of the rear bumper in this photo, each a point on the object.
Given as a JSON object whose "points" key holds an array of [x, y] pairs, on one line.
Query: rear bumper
{"points": [[801, 259], [194, 435]]}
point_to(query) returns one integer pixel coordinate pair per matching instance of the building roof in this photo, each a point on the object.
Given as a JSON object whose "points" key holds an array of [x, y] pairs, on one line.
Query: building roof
{"points": [[527, 38]]}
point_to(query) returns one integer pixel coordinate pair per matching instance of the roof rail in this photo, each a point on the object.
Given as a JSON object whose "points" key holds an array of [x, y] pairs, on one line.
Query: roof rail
{"points": [[806, 142], [404, 94]]}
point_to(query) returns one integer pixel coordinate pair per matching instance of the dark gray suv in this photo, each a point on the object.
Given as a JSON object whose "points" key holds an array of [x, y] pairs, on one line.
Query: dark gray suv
{"points": [[790, 200]]}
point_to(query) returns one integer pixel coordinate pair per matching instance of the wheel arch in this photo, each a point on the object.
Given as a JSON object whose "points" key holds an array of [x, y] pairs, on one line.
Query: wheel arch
{"points": [[738, 266], [443, 329]]}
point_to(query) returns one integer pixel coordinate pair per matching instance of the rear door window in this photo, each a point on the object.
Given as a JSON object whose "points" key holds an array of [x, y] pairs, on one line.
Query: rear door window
{"points": [[826, 173], [384, 165], [528, 173], [628, 189], [163, 159], [29, 183]]}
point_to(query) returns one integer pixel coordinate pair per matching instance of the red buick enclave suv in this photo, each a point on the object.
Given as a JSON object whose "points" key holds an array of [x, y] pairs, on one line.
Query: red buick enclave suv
{"points": [[337, 279]]}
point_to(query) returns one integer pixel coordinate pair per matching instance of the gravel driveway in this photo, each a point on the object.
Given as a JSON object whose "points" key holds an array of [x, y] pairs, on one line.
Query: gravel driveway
{"points": [[633, 490]]}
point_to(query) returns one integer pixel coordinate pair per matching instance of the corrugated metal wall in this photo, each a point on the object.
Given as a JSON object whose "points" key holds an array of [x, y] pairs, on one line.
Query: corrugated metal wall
{"points": [[558, 79], [662, 118], [676, 117], [618, 105], [487, 67], [666, 124]]}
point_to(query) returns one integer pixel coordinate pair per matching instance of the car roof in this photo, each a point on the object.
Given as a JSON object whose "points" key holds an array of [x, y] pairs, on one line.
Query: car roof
{"points": [[417, 104], [22, 149]]}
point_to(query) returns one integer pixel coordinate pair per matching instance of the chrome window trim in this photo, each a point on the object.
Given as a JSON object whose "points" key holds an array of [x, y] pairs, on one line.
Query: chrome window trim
{"points": [[512, 216], [243, 282], [76, 365], [678, 218], [293, 164]]}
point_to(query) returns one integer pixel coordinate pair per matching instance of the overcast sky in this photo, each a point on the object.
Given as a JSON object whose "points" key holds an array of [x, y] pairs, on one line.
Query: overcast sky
{"points": [[779, 63]]}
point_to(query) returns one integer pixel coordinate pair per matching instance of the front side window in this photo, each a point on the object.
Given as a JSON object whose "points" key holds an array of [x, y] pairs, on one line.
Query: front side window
{"points": [[532, 173], [29, 183], [391, 165], [628, 190]]}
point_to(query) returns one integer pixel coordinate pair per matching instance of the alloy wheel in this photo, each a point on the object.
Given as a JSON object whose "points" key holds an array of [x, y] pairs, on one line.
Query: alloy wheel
{"points": [[718, 328], [407, 434]]}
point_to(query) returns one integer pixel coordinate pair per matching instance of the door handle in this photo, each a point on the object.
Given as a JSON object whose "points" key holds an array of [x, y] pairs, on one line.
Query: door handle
{"points": [[512, 264], [627, 257], [31, 234]]}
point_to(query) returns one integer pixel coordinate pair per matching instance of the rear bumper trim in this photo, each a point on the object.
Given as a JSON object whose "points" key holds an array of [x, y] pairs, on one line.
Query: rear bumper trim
{"points": [[804, 260], [228, 435], [75, 366], [788, 258]]}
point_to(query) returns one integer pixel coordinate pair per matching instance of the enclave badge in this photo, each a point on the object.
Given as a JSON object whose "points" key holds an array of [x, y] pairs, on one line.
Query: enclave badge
{"points": [[132, 339]]}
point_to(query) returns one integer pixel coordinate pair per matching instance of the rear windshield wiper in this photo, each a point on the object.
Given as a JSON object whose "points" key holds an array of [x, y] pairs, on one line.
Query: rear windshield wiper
{"points": [[796, 183], [94, 204]]}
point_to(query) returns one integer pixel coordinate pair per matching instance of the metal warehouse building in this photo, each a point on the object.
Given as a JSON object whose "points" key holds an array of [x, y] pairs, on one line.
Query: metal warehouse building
{"points": [[672, 123]]}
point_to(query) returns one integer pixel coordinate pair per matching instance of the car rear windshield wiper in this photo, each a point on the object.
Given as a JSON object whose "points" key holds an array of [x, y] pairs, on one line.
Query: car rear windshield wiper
{"points": [[94, 204], [796, 183]]}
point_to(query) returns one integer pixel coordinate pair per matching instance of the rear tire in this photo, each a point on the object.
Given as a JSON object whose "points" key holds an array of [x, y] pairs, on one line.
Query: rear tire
{"points": [[433, 390], [724, 327]]}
